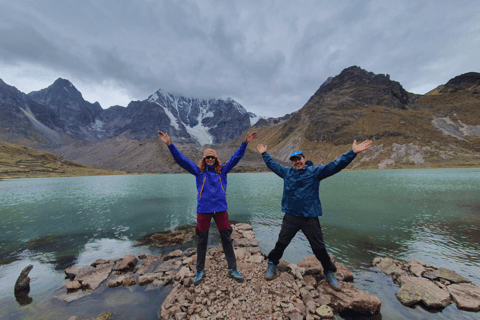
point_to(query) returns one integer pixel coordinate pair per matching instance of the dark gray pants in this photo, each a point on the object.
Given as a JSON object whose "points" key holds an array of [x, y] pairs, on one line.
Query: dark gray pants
{"points": [[225, 236], [312, 230]]}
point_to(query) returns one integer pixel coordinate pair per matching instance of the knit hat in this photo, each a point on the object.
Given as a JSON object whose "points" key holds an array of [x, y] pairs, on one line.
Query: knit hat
{"points": [[209, 152]]}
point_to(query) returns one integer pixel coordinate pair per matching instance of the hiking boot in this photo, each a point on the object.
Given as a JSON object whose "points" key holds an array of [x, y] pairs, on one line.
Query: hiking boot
{"points": [[332, 280], [271, 271], [233, 273], [198, 277]]}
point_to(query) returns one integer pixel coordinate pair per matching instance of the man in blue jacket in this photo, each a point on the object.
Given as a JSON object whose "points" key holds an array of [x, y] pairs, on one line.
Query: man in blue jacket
{"points": [[302, 207]]}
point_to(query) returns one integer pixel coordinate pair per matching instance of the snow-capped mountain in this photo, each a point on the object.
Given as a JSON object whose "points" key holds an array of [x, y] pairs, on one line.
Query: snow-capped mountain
{"points": [[60, 109], [208, 121]]}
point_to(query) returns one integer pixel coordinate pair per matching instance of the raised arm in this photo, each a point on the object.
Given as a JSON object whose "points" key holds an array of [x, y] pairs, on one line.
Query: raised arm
{"points": [[277, 168], [232, 162], [345, 159], [179, 158], [360, 147]]}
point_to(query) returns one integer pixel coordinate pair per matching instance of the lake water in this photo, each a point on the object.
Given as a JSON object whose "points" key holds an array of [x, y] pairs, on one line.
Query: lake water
{"points": [[56, 223]]}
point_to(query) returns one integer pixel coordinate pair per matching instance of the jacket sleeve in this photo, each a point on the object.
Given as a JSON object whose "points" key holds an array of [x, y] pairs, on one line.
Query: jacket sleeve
{"points": [[277, 168], [183, 161], [336, 165], [227, 166]]}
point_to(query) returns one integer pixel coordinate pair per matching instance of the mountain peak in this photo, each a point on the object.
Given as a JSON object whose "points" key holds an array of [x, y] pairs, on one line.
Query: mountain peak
{"points": [[67, 86], [63, 83], [354, 75], [357, 79], [469, 78], [465, 82]]}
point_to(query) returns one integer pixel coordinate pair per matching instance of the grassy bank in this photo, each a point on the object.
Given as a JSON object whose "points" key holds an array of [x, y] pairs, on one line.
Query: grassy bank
{"points": [[22, 162]]}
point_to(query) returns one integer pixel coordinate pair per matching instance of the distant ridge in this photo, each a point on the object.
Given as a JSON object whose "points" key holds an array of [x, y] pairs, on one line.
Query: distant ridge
{"points": [[439, 129], [59, 113], [436, 130]]}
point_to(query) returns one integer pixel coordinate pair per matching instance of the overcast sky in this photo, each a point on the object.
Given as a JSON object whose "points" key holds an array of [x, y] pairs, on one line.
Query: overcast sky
{"points": [[270, 56]]}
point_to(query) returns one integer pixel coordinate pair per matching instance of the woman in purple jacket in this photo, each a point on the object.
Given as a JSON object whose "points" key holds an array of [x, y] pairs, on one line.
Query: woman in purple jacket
{"points": [[211, 178]]}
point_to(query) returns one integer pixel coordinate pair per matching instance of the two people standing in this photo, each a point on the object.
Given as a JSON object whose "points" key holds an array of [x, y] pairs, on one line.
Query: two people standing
{"points": [[300, 203]]}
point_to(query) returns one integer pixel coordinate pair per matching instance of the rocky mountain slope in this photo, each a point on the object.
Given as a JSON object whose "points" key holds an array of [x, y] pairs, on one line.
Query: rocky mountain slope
{"points": [[66, 111], [436, 130], [18, 123], [54, 116], [151, 156], [439, 129]]}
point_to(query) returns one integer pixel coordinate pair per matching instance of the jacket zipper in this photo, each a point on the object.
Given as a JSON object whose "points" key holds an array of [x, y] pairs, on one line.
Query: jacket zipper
{"points": [[222, 185], [201, 190]]}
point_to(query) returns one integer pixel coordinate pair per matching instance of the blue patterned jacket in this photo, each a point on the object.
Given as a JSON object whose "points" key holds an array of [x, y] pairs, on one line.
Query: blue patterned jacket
{"points": [[211, 187], [301, 195]]}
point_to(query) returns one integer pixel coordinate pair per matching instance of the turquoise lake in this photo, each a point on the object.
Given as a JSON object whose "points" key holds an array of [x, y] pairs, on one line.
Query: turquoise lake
{"points": [[56, 223]]}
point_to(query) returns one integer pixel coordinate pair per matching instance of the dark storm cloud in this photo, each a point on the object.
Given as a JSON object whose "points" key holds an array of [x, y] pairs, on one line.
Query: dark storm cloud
{"points": [[26, 44], [271, 56]]}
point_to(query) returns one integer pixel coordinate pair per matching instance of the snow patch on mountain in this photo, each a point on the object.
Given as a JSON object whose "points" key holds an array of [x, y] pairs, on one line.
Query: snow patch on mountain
{"points": [[203, 119], [173, 120], [200, 133], [98, 125]]}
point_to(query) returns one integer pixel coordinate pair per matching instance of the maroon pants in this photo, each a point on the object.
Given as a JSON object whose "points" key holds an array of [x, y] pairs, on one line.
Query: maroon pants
{"points": [[203, 225], [204, 219]]}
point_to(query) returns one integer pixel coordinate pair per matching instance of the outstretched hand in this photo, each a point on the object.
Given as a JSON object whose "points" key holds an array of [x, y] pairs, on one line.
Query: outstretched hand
{"points": [[250, 137], [357, 148], [261, 148], [164, 137]]}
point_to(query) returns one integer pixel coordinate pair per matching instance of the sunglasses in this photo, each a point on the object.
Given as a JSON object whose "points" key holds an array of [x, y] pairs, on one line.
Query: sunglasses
{"points": [[210, 158], [295, 153]]}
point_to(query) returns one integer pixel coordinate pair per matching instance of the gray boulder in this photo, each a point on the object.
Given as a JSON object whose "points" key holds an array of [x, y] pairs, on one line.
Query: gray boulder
{"points": [[93, 280], [445, 274], [73, 272], [433, 287], [22, 286], [23, 281], [128, 262], [350, 298], [467, 297], [414, 290]]}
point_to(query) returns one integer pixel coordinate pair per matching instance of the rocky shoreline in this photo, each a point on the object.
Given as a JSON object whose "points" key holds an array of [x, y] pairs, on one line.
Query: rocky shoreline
{"points": [[298, 292], [433, 287]]}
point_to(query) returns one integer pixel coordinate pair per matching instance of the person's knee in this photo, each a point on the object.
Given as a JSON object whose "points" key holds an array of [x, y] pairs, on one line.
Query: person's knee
{"points": [[281, 245], [225, 235], [202, 236], [227, 232]]}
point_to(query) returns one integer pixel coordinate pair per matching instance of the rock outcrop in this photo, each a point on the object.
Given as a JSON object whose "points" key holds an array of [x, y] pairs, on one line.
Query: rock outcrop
{"points": [[298, 292], [22, 286], [167, 238], [430, 286]]}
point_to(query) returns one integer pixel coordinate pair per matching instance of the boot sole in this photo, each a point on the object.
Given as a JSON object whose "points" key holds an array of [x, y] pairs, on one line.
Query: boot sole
{"points": [[335, 288], [271, 277], [238, 280]]}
